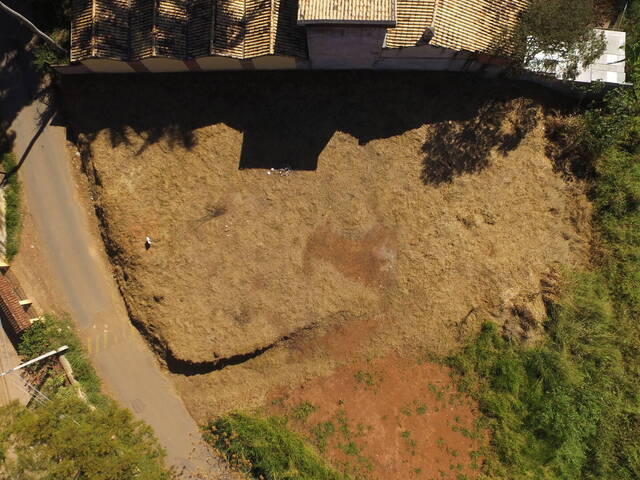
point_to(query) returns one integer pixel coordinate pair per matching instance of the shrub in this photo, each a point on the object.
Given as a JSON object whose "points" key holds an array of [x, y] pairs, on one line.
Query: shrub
{"points": [[267, 449], [13, 214], [65, 437], [559, 28], [44, 56], [53, 332]]}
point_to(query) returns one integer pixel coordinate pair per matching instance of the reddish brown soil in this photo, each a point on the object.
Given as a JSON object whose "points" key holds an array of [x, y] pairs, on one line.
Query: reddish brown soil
{"points": [[390, 418]]}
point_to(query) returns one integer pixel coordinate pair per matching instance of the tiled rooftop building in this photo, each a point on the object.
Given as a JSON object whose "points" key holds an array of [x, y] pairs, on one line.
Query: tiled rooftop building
{"points": [[11, 311], [181, 35]]}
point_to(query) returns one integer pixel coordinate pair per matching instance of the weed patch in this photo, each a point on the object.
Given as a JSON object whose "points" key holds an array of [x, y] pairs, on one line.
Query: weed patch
{"points": [[265, 448], [13, 215]]}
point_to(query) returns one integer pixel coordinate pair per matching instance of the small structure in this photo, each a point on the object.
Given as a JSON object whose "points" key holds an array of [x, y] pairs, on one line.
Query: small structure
{"points": [[13, 314]]}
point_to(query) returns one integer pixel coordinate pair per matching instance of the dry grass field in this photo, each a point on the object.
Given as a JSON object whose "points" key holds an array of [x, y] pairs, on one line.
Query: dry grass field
{"points": [[302, 222]]}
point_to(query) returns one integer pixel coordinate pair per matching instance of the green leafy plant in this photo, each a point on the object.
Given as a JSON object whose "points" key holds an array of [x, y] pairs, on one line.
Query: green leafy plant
{"points": [[13, 213], [67, 437], [266, 449], [562, 30]]}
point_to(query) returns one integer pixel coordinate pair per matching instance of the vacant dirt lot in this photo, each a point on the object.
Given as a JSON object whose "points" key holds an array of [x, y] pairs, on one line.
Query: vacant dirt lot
{"points": [[388, 418], [402, 210]]}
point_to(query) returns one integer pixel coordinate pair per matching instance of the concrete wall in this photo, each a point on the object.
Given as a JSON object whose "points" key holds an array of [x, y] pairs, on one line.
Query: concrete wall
{"points": [[158, 65], [344, 47], [103, 65], [436, 59], [219, 63], [274, 62]]}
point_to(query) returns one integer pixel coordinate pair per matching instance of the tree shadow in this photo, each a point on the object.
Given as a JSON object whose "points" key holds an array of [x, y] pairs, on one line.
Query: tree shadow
{"points": [[287, 118], [455, 148], [20, 83]]}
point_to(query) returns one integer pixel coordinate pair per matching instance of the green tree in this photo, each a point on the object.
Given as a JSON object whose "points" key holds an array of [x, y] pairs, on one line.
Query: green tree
{"points": [[67, 439], [562, 30]]}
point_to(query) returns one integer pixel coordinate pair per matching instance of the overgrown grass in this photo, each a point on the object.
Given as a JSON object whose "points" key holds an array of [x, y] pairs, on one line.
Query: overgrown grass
{"points": [[13, 214], [267, 449], [556, 409], [570, 407], [53, 332]]}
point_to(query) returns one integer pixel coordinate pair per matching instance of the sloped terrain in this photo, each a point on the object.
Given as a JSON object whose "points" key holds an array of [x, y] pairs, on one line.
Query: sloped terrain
{"points": [[303, 220]]}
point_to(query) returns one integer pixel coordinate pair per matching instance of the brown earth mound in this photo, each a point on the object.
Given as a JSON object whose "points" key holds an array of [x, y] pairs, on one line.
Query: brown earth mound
{"points": [[302, 219]]}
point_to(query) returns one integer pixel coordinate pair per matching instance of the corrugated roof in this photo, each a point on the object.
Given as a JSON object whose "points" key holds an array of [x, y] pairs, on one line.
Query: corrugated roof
{"points": [[347, 11], [137, 29], [12, 312], [472, 25]]}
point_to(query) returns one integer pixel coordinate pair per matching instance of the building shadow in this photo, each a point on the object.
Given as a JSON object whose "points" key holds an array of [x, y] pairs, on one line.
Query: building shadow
{"points": [[288, 117]]}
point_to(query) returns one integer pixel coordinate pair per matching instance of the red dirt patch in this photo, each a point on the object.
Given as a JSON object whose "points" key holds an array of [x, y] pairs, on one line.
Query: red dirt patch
{"points": [[391, 418], [368, 259]]}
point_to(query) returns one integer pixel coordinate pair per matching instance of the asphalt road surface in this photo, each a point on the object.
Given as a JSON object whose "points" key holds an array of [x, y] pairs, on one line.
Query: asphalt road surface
{"points": [[129, 371]]}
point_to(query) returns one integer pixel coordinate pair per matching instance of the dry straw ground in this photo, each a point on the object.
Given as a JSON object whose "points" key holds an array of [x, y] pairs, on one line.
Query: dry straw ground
{"points": [[416, 206]]}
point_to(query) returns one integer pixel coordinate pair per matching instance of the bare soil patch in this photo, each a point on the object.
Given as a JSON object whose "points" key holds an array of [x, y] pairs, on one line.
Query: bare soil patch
{"points": [[410, 207], [388, 418]]}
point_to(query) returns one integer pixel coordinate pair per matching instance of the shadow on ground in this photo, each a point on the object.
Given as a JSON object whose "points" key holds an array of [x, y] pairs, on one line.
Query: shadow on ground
{"points": [[287, 118]]}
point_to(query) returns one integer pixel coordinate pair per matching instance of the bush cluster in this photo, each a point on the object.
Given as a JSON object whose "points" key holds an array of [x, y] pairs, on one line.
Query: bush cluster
{"points": [[66, 437], [266, 449], [570, 407], [13, 213]]}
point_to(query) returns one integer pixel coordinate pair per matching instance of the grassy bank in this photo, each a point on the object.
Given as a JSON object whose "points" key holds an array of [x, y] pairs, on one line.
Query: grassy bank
{"points": [[570, 407], [65, 437], [266, 449], [13, 215]]}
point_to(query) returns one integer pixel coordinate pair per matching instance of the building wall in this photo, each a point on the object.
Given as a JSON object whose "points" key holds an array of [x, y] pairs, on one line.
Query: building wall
{"points": [[219, 63], [344, 47], [104, 65], [274, 62], [158, 65]]}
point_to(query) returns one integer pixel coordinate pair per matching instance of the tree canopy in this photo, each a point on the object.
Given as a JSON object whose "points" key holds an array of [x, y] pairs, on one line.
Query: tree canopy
{"points": [[562, 30]]}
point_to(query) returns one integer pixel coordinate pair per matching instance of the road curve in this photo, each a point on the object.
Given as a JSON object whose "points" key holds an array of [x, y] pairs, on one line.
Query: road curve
{"points": [[127, 367]]}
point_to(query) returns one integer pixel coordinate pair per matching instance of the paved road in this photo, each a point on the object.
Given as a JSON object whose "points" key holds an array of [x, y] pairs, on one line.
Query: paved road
{"points": [[127, 367], [125, 363]]}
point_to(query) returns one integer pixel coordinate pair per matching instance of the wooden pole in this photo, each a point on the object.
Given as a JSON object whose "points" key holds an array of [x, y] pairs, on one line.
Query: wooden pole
{"points": [[33, 28]]}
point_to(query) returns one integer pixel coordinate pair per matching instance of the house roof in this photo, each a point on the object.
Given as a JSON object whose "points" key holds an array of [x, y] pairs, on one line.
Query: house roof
{"points": [[10, 308], [472, 25], [347, 11], [136, 29]]}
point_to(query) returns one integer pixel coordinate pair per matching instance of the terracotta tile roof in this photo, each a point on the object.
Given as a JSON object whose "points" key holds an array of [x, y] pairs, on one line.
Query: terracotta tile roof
{"points": [[12, 312], [100, 32], [138, 29], [413, 17], [347, 11], [473, 25]]}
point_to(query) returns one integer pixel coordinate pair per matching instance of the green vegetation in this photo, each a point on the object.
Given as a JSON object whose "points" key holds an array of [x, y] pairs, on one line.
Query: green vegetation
{"points": [[54, 332], [13, 216], [53, 18], [303, 410], [562, 28], [569, 408], [266, 449], [66, 437]]}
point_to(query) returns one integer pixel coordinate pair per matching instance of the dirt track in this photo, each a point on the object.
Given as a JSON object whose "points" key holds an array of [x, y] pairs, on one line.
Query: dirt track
{"points": [[418, 206]]}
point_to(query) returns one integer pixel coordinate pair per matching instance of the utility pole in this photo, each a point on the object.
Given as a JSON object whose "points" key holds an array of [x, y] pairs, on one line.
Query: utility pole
{"points": [[34, 360], [33, 28]]}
